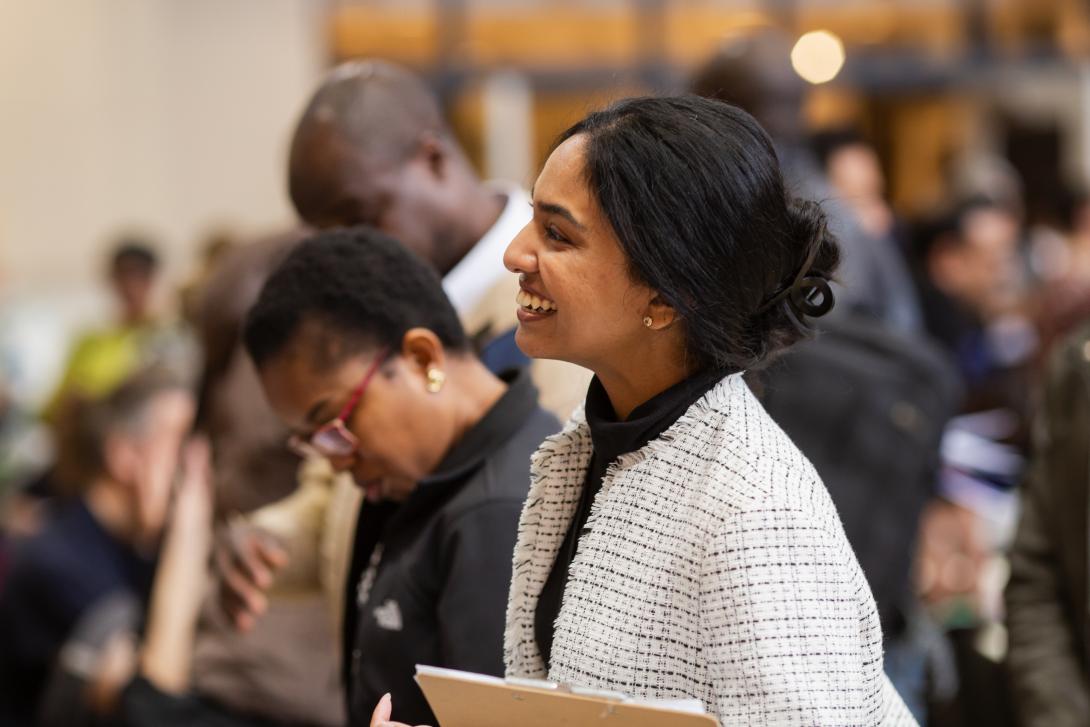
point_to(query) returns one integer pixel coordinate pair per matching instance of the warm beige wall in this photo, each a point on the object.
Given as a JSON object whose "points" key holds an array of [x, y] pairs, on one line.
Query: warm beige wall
{"points": [[172, 115]]}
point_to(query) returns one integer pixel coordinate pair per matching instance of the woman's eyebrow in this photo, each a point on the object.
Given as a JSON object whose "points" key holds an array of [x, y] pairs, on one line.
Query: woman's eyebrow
{"points": [[556, 209]]}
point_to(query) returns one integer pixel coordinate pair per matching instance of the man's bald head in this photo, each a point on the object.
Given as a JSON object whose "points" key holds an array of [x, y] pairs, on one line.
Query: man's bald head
{"points": [[379, 108], [372, 147]]}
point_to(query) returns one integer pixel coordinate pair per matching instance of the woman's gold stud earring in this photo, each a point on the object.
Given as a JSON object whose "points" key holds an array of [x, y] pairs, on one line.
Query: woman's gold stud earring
{"points": [[436, 379], [648, 321]]}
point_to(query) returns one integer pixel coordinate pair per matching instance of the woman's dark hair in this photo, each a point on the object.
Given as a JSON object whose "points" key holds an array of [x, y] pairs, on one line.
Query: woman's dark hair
{"points": [[362, 286], [134, 255], [693, 190]]}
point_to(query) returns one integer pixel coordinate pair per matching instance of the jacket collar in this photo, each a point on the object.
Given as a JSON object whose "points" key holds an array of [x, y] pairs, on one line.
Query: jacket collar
{"points": [[557, 471]]}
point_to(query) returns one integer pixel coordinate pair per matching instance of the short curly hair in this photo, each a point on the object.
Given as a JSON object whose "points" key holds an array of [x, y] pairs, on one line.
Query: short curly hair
{"points": [[362, 286]]}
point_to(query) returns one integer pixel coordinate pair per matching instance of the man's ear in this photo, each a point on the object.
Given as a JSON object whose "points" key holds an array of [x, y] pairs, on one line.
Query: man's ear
{"points": [[660, 313]]}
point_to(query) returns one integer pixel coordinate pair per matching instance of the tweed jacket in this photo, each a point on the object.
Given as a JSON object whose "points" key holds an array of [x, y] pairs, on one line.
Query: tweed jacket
{"points": [[714, 567]]}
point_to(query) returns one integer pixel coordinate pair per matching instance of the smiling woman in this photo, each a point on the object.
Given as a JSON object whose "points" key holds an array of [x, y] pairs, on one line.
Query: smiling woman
{"points": [[675, 543], [360, 352]]}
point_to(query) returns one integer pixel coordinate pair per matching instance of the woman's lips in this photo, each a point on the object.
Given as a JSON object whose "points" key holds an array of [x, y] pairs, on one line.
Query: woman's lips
{"points": [[529, 316], [533, 307]]}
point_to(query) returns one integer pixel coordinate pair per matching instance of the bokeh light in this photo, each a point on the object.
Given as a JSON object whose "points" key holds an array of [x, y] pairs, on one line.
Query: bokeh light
{"points": [[818, 56]]}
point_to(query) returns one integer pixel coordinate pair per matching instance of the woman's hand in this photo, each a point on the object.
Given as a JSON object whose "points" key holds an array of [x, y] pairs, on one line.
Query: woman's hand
{"points": [[381, 716], [181, 576], [192, 513]]}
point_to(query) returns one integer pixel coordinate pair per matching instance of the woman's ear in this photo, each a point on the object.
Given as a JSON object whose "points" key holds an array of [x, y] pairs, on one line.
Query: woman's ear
{"points": [[659, 314], [423, 351]]}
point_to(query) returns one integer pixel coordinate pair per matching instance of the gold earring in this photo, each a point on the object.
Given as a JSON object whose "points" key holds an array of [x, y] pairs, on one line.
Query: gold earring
{"points": [[436, 379], [648, 321]]}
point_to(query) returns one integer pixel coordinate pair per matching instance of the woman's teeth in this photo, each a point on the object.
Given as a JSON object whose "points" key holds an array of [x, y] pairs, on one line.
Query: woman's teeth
{"points": [[534, 303]]}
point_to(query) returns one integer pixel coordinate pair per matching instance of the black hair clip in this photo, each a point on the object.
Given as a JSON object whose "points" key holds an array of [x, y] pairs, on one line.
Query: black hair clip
{"points": [[810, 296]]}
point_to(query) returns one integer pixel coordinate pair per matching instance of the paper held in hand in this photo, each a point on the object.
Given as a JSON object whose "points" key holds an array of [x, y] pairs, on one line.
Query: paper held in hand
{"points": [[463, 699]]}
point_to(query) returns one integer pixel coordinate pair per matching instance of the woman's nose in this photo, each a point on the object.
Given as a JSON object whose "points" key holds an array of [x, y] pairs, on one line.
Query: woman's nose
{"points": [[520, 256]]}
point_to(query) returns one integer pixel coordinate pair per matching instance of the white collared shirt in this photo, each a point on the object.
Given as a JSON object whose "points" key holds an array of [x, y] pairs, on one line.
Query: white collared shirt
{"points": [[482, 267]]}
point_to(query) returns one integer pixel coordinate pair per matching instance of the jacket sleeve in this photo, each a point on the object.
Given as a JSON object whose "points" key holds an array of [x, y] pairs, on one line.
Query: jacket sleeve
{"points": [[477, 576], [789, 638], [1048, 680]]}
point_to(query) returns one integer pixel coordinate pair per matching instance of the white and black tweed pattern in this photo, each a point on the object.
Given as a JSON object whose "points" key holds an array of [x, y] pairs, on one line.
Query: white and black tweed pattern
{"points": [[715, 567]]}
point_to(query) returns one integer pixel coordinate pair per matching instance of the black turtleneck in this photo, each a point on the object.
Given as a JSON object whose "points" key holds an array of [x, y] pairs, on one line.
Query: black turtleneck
{"points": [[611, 438]]}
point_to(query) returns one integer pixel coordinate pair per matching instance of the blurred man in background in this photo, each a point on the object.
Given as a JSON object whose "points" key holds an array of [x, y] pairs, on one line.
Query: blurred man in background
{"points": [[974, 295], [974, 301], [855, 175]]}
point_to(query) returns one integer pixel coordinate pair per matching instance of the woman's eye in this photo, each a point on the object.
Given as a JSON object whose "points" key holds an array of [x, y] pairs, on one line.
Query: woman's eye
{"points": [[552, 233]]}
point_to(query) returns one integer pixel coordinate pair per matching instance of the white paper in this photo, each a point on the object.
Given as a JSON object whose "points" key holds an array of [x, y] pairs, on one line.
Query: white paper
{"points": [[685, 706]]}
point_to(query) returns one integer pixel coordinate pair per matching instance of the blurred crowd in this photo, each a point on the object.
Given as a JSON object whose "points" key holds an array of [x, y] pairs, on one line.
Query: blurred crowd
{"points": [[166, 558]]}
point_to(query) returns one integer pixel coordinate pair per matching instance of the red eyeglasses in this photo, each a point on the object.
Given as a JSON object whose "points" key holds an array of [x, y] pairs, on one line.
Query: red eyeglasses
{"points": [[334, 439]]}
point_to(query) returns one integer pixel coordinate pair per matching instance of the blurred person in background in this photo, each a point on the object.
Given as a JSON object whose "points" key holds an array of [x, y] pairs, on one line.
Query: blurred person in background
{"points": [[1047, 595], [253, 467], [868, 399], [1077, 220], [216, 246], [286, 664], [1060, 258], [974, 297], [86, 576], [755, 73], [10, 434], [363, 356], [25, 450], [138, 337], [976, 304], [856, 178]]}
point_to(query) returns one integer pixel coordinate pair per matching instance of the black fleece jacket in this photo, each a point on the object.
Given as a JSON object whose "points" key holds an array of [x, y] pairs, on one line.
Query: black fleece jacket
{"points": [[430, 576]]}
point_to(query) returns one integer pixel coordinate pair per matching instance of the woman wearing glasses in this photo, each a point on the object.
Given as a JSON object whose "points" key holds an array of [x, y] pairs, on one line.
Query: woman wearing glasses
{"points": [[675, 543], [360, 352]]}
